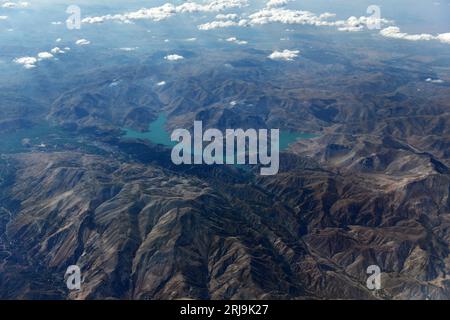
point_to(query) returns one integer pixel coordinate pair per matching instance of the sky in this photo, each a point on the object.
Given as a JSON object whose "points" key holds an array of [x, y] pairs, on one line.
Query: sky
{"points": [[34, 32]]}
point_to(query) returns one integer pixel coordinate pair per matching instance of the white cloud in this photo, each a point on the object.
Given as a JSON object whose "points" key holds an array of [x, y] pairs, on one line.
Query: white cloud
{"points": [[272, 13], [58, 40], [276, 3], [30, 62], [235, 40], [156, 14], [287, 16], [44, 55], [56, 23], [29, 66], [15, 4], [129, 49], [434, 80], [115, 83], [223, 24], [287, 55], [444, 37], [211, 6], [57, 50], [161, 83], [173, 57], [191, 39], [229, 16], [82, 42], [27, 62], [3, 17], [168, 10], [395, 33]]}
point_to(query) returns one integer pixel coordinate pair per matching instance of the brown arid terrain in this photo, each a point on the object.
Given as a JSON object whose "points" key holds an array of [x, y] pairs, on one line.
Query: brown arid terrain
{"points": [[145, 232]]}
